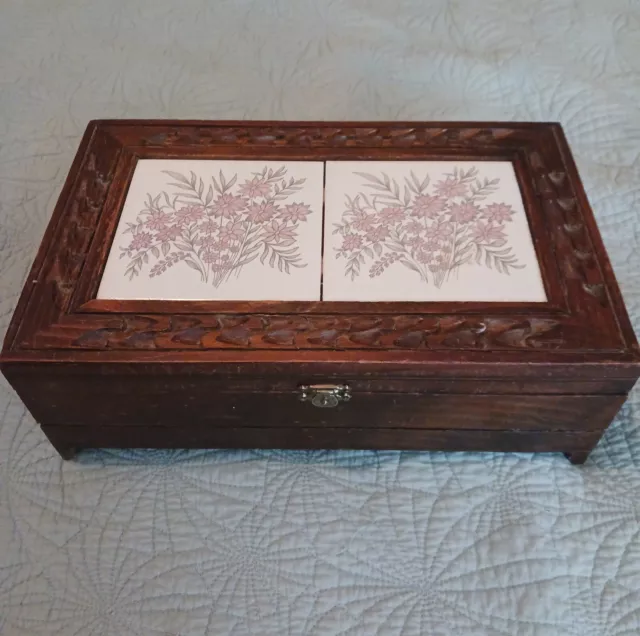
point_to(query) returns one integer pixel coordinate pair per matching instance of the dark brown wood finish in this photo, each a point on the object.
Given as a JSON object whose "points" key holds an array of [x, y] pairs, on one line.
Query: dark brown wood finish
{"points": [[440, 376], [373, 404]]}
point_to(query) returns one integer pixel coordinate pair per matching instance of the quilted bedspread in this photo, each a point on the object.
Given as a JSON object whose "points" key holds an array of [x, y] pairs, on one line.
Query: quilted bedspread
{"points": [[336, 543]]}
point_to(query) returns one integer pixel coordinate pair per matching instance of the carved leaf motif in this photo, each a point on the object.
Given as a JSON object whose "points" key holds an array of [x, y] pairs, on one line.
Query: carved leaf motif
{"points": [[326, 337], [463, 339], [141, 340], [557, 177], [569, 269], [365, 323], [97, 338], [525, 335], [410, 340], [573, 228], [289, 322], [386, 136], [501, 133], [191, 336], [445, 332], [450, 324], [536, 160], [597, 290], [235, 336], [583, 256], [567, 203], [539, 326], [280, 337], [370, 337], [407, 323]]}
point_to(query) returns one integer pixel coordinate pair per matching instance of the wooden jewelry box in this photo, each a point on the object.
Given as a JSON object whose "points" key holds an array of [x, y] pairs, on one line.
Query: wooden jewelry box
{"points": [[436, 286]]}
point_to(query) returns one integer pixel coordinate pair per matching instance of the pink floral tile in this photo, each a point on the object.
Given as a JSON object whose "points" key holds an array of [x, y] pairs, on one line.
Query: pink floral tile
{"points": [[427, 231], [218, 230]]}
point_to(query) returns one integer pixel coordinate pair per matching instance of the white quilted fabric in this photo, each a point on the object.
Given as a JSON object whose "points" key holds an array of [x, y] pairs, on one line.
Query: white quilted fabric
{"points": [[194, 543]]}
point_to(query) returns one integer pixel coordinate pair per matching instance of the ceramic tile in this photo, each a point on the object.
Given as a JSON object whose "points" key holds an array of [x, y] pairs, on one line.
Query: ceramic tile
{"points": [[427, 231], [218, 230]]}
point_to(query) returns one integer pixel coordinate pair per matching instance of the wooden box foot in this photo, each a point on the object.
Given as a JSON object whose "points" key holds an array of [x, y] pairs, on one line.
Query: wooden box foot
{"points": [[577, 457]]}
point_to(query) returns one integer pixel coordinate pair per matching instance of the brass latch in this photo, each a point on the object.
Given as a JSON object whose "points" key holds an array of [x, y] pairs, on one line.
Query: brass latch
{"points": [[325, 396]]}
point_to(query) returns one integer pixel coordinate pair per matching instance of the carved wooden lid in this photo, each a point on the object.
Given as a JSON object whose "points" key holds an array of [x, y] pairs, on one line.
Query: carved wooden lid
{"points": [[410, 245]]}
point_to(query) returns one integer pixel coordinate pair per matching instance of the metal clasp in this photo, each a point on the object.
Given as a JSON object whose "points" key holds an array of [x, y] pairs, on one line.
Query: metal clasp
{"points": [[325, 396]]}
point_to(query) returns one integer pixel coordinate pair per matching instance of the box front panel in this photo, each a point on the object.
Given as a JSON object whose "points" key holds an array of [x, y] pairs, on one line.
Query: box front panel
{"points": [[178, 400]]}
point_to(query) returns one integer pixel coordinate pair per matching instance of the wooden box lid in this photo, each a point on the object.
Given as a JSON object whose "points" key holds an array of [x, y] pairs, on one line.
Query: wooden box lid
{"points": [[420, 249]]}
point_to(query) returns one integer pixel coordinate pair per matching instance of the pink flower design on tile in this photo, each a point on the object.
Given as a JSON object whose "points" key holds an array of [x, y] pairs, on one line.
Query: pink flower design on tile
{"points": [[498, 212], [255, 188], [208, 241], [415, 242], [487, 233], [232, 231], [364, 222], [189, 214], [423, 256], [158, 220], [432, 245], [170, 233], [351, 242], [464, 212], [451, 188], [224, 243], [414, 227], [427, 205], [440, 231], [140, 241], [376, 234], [228, 205], [280, 233], [295, 212], [209, 227], [450, 228], [262, 212], [249, 225], [390, 215]]}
